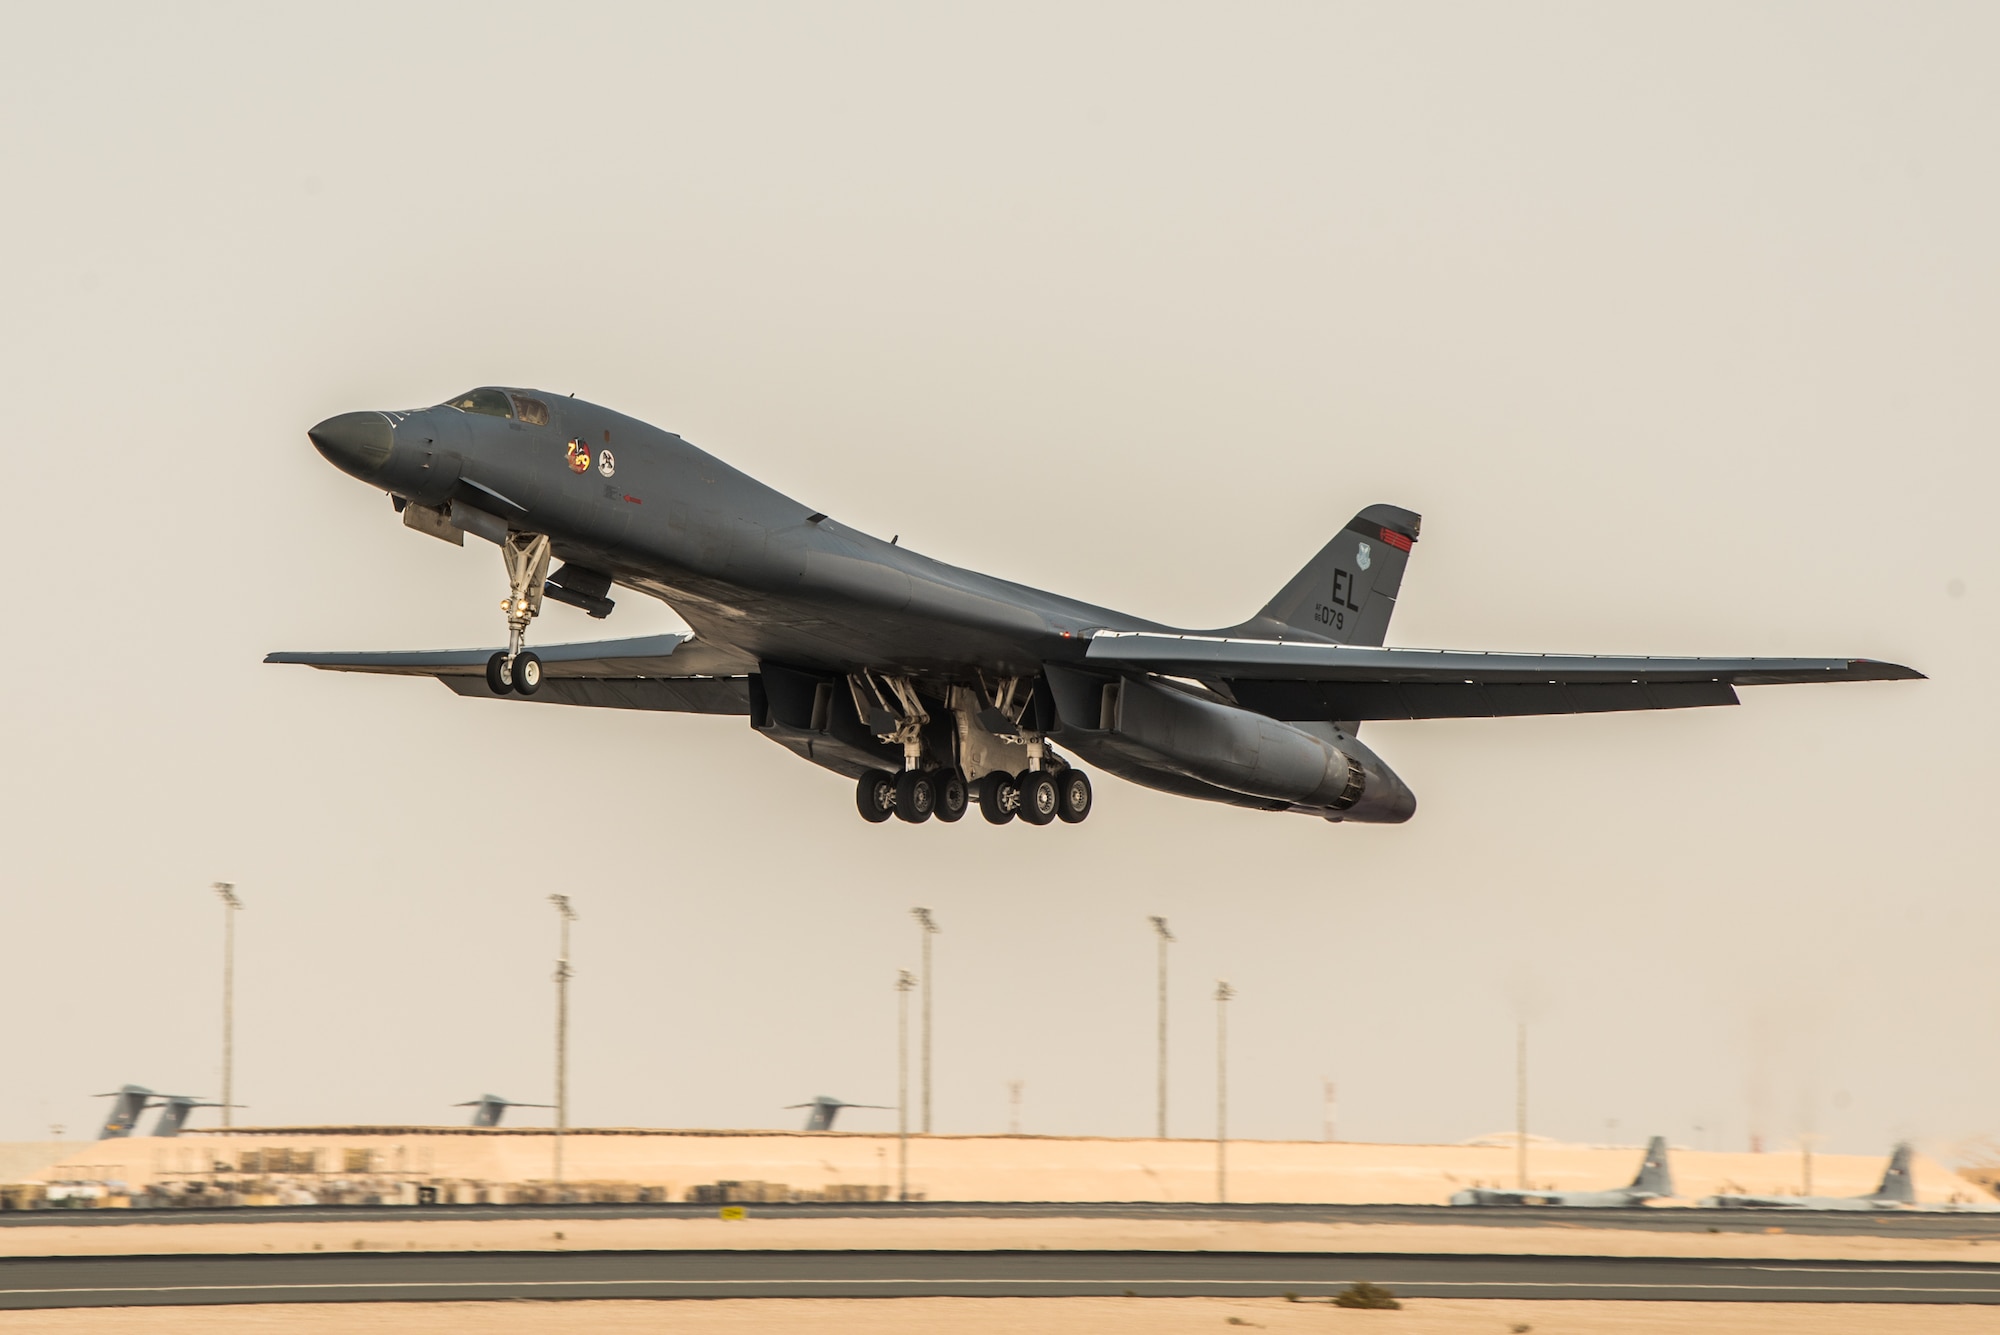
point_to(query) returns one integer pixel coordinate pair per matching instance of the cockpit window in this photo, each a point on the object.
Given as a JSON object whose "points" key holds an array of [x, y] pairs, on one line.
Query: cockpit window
{"points": [[532, 411], [491, 402]]}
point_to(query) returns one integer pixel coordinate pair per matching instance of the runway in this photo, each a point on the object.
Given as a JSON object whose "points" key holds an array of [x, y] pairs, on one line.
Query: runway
{"points": [[384, 1277], [1871, 1223]]}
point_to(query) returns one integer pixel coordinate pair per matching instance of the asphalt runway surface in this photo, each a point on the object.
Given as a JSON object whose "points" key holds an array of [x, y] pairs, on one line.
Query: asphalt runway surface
{"points": [[120, 1281], [1851, 1223]]}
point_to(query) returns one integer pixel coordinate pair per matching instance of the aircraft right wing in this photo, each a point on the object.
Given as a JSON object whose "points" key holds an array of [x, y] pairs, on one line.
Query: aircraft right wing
{"points": [[661, 672], [1306, 679]]}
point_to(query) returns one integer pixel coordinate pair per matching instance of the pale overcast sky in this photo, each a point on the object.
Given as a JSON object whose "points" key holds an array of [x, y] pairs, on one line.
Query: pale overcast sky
{"points": [[1677, 322]]}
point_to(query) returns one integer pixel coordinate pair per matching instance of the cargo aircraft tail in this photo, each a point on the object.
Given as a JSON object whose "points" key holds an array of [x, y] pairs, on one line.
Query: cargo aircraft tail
{"points": [[1896, 1183], [1654, 1174]]}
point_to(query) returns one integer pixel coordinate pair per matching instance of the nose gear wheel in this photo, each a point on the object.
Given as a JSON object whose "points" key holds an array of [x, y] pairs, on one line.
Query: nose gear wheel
{"points": [[527, 558], [527, 672], [499, 674]]}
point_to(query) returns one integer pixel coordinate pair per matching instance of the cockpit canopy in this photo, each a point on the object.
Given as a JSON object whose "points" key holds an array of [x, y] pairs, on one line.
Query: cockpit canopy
{"points": [[500, 403]]}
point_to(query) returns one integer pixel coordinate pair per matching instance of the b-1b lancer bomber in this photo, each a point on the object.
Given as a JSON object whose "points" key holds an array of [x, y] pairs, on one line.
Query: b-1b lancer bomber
{"points": [[931, 687]]}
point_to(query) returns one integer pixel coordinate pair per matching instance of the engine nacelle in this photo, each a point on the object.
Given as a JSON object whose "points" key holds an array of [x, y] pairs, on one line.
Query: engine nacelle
{"points": [[1230, 748]]}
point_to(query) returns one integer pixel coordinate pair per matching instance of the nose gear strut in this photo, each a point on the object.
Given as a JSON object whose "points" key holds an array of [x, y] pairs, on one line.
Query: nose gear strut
{"points": [[515, 668]]}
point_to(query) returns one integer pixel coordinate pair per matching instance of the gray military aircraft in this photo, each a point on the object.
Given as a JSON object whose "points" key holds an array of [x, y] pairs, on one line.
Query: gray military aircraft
{"points": [[1654, 1182], [130, 1101], [935, 688], [825, 1108], [488, 1109], [1897, 1191]]}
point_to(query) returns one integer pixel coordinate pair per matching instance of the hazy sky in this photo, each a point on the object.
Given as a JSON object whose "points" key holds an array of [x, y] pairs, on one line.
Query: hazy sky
{"points": [[1677, 323]]}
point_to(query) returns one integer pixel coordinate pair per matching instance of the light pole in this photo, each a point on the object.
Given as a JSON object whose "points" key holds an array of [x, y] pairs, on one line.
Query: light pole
{"points": [[1166, 939], [230, 905], [1223, 992], [1521, 1104], [568, 916], [930, 929], [904, 982]]}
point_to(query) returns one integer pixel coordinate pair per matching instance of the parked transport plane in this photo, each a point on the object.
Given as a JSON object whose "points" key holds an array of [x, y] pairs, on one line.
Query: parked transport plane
{"points": [[1896, 1192], [932, 688], [1654, 1182]]}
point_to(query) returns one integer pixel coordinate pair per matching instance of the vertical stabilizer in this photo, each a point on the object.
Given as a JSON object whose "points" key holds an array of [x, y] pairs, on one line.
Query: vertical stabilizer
{"points": [[488, 1109], [1896, 1184], [128, 1102], [1654, 1174], [1348, 592], [174, 1112]]}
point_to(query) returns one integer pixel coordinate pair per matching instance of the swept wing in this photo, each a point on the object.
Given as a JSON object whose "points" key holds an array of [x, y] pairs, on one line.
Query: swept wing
{"points": [[674, 673], [1305, 680]]}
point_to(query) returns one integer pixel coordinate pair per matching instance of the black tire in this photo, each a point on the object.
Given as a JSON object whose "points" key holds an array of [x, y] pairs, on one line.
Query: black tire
{"points": [[1038, 796], [1073, 796], [527, 673], [875, 795], [999, 799], [499, 678], [952, 798], [916, 796]]}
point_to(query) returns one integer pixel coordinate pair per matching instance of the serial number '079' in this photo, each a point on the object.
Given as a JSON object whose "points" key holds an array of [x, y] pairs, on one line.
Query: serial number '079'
{"points": [[1334, 613]]}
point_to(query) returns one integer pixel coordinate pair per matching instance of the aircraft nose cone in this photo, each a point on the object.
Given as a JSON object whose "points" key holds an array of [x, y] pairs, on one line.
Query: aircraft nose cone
{"points": [[355, 443]]}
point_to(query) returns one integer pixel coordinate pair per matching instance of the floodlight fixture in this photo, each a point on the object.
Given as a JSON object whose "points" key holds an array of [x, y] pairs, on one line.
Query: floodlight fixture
{"points": [[1166, 939], [929, 927], [226, 891], [1224, 993]]}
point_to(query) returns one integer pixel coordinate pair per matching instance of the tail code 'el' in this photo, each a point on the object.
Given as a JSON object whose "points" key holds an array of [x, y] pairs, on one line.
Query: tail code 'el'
{"points": [[1348, 592], [1654, 1174]]}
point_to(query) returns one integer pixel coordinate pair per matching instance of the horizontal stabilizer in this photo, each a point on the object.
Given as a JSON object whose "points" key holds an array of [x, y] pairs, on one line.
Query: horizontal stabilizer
{"points": [[1301, 680]]}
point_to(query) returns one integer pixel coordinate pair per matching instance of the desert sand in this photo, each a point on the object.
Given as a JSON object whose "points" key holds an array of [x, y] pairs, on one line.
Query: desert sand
{"points": [[971, 1168]]}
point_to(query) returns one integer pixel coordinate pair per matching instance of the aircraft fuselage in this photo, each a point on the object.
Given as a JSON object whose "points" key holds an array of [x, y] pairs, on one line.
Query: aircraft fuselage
{"points": [[745, 565]]}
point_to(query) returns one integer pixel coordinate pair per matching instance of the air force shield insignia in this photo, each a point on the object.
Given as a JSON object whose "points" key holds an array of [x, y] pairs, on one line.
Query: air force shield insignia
{"points": [[1361, 556]]}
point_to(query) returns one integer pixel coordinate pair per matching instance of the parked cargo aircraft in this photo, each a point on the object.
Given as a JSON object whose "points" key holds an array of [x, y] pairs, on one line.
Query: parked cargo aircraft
{"points": [[824, 1109], [129, 1101], [1654, 1182], [1896, 1191], [935, 688], [489, 1109]]}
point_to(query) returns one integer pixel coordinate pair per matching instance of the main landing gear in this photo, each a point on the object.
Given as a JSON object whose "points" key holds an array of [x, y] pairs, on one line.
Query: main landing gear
{"points": [[516, 669], [1036, 796], [986, 737]]}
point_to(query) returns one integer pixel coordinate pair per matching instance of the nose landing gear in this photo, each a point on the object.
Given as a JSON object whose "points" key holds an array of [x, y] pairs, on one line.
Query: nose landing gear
{"points": [[517, 669]]}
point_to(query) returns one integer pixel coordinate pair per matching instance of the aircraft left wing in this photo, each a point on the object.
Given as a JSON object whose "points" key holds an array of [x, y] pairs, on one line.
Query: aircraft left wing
{"points": [[1303, 680], [662, 672]]}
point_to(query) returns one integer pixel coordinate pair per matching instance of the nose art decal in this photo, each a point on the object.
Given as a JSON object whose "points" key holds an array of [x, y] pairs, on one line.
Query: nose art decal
{"points": [[579, 457]]}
